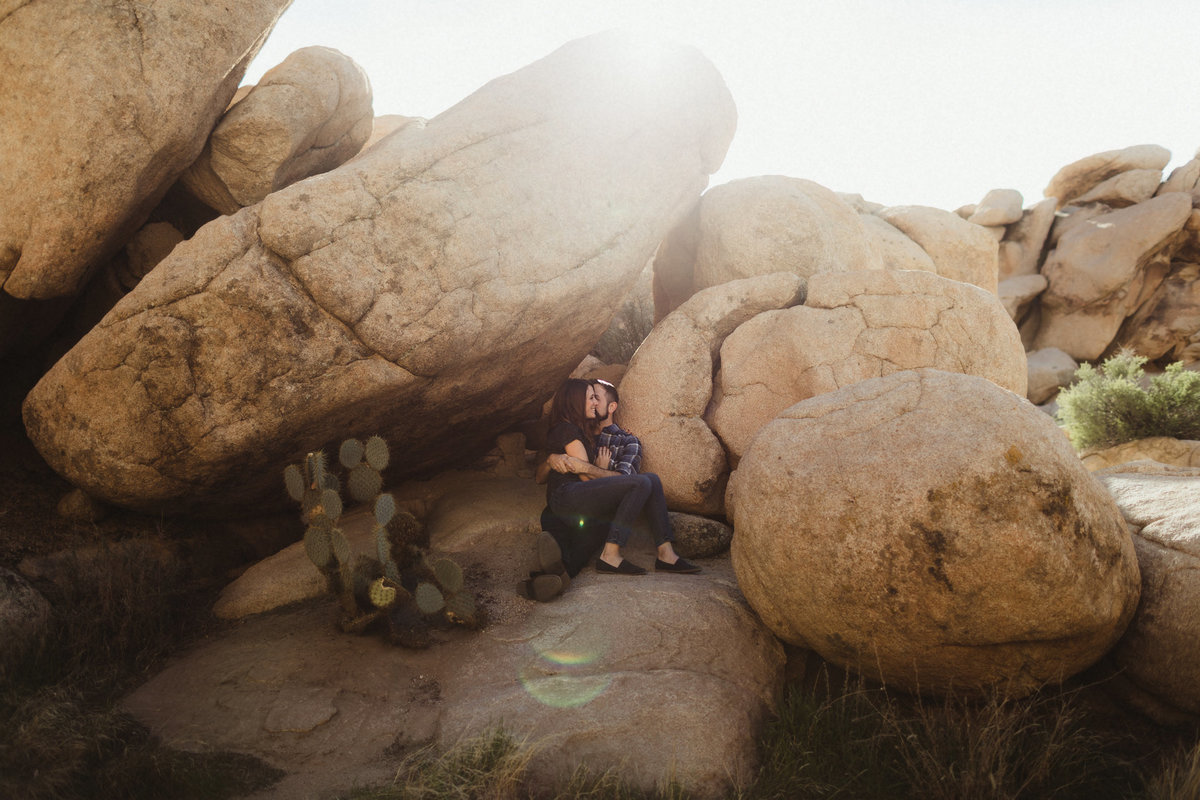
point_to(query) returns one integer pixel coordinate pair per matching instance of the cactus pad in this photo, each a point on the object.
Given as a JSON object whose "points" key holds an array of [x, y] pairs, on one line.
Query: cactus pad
{"points": [[364, 482], [376, 452], [314, 470], [341, 547], [449, 575], [331, 502], [331, 482], [429, 598], [385, 509], [460, 608], [293, 479], [316, 544], [392, 571], [382, 595], [350, 453]]}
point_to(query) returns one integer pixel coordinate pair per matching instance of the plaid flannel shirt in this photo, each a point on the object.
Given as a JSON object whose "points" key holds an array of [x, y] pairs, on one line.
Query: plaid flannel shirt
{"points": [[626, 449]]}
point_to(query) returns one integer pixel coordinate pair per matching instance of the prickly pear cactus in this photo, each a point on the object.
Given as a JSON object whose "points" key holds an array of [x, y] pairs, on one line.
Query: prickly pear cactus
{"points": [[429, 598]]}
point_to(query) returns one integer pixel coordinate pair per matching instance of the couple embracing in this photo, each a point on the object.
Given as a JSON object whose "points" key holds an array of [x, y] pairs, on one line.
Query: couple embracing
{"points": [[592, 480]]}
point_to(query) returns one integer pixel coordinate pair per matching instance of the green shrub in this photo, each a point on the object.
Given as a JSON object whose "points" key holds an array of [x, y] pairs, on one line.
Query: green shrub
{"points": [[1108, 406]]}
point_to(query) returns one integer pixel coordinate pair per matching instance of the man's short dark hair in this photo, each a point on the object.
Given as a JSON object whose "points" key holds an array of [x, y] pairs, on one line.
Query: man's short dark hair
{"points": [[613, 397]]}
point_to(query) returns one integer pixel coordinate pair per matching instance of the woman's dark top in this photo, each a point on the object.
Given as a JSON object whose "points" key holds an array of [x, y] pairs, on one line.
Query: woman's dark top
{"points": [[557, 440]]}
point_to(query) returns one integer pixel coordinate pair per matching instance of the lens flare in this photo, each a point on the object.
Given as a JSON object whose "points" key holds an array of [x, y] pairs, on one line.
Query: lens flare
{"points": [[565, 677]]}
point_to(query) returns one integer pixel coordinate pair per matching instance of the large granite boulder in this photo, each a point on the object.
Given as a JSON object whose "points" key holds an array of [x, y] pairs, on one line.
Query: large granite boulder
{"points": [[1101, 270], [307, 115], [102, 105], [1079, 177], [1159, 657], [932, 531], [669, 384], [756, 226], [434, 291], [855, 326], [961, 250]]}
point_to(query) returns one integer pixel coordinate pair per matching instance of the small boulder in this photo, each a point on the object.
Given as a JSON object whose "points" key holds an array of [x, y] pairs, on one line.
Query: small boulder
{"points": [[307, 115], [998, 207], [1016, 294], [983, 556], [699, 537], [960, 250], [1050, 369], [1123, 189], [1030, 232]]}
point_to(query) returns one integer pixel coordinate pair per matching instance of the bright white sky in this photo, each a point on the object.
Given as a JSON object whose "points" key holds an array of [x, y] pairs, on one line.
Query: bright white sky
{"points": [[929, 102]]}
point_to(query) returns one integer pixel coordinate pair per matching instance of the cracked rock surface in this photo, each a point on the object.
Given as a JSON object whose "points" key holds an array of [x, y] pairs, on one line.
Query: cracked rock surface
{"points": [[934, 531], [104, 105], [434, 290]]}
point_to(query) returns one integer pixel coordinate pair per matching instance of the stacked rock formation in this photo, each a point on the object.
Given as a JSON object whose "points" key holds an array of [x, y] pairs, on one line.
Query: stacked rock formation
{"points": [[434, 291]]}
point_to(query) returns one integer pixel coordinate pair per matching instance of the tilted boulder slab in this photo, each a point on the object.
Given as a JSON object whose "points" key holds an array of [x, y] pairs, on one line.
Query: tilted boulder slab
{"points": [[669, 384], [434, 291], [756, 226], [1167, 323], [855, 326], [1159, 657], [961, 250], [1078, 177], [308, 115], [1029, 235], [1103, 269], [933, 531], [103, 106], [895, 250]]}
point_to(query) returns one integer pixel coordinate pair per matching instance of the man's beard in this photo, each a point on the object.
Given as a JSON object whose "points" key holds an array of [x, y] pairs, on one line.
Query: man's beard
{"points": [[601, 419]]}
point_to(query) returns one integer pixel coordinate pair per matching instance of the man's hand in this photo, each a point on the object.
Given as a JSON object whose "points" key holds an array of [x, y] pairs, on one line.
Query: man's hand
{"points": [[560, 462]]}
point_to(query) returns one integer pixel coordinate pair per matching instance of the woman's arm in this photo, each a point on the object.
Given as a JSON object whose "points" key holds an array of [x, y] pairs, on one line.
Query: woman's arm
{"points": [[577, 462]]}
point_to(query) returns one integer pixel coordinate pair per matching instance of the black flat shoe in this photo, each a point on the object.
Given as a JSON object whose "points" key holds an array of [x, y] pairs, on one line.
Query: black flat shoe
{"points": [[626, 567], [680, 567], [542, 588]]}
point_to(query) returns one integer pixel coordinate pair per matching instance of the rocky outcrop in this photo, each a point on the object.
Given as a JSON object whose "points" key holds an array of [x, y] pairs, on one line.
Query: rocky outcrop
{"points": [[855, 326], [1100, 272], [376, 298], [1077, 178], [1158, 658], [669, 384], [103, 106], [305, 116], [983, 556]]}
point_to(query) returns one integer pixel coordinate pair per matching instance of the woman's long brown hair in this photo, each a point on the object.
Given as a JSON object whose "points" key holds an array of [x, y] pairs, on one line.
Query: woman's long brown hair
{"points": [[570, 405]]}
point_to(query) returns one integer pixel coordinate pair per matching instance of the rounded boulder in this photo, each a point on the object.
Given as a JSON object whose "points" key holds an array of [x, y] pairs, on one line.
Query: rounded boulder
{"points": [[933, 531]]}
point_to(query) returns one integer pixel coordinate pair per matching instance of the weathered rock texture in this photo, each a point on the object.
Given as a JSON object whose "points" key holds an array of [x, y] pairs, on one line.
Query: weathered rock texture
{"points": [[982, 555], [103, 105], [756, 226], [307, 115], [629, 676], [669, 384], [1161, 449], [961, 250], [1102, 270], [1079, 177], [1159, 656], [377, 298], [855, 326]]}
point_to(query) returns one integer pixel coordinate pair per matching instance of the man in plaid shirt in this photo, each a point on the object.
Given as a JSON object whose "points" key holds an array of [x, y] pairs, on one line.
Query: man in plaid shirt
{"points": [[625, 449]]}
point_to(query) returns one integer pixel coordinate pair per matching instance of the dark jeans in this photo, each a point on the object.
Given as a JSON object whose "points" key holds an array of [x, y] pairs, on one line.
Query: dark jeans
{"points": [[618, 499], [578, 537]]}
